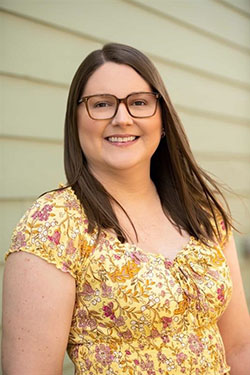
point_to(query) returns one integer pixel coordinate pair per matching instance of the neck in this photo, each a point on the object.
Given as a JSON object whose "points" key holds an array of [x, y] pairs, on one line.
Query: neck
{"points": [[127, 186]]}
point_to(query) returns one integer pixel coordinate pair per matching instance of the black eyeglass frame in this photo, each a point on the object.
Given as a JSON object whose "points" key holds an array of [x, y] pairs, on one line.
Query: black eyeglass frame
{"points": [[84, 99]]}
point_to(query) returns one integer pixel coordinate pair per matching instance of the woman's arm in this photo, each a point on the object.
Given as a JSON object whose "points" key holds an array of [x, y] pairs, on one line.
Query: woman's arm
{"points": [[234, 324], [38, 301]]}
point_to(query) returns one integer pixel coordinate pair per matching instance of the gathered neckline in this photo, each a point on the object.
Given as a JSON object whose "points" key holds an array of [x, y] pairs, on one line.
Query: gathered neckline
{"points": [[179, 253]]}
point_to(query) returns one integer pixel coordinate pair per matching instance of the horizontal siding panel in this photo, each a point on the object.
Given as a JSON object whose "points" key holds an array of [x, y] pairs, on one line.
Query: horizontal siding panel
{"points": [[186, 88], [200, 92], [39, 51], [241, 5], [32, 109], [208, 17], [30, 168], [94, 18], [240, 208], [212, 135], [235, 174]]}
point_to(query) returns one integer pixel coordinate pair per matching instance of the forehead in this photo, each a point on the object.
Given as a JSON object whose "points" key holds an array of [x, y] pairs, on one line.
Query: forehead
{"points": [[116, 79]]}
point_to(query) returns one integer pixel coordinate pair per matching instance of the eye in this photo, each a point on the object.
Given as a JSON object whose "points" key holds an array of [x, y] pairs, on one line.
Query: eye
{"points": [[102, 104], [139, 102]]}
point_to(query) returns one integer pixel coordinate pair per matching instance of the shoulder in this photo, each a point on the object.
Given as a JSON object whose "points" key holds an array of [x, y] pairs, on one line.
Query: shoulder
{"points": [[55, 228], [55, 203], [53, 212]]}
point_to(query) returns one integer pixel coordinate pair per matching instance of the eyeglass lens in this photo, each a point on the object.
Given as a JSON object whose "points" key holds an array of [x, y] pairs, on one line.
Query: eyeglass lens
{"points": [[138, 105]]}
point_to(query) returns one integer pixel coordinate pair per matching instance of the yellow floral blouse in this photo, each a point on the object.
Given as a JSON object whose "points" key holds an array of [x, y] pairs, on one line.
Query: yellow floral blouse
{"points": [[135, 313]]}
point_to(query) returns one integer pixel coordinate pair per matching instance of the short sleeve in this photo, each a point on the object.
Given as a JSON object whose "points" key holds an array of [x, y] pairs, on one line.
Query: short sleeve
{"points": [[54, 229]]}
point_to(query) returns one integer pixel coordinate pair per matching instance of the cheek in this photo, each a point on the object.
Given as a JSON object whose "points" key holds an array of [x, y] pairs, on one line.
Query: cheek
{"points": [[158, 120], [153, 125], [84, 123], [158, 125], [157, 132], [90, 134], [84, 130]]}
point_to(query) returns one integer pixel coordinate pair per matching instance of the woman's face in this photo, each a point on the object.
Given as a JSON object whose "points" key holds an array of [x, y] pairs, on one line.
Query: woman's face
{"points": [[99, 141]]}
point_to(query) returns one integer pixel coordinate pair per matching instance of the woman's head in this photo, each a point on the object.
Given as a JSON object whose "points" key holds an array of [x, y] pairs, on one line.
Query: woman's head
{"points": [[112, 53], [118, 136]]}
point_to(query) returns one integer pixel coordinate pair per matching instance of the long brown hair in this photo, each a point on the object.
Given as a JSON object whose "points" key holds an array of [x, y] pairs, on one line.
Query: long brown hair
{"points": [[189, 196]]}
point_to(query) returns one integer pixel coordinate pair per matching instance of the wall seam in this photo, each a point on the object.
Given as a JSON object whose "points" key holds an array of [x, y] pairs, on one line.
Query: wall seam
{"points": [[189, 68], [189, 26], [233, 7]]}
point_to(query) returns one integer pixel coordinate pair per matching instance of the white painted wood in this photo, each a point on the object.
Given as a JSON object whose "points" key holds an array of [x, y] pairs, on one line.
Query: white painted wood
{"points": [[42, 52], [202, 93], [186, 87], [30, 168], [242, 5], [210, 135], [240, 208], [235, 174], [211, 17], [32, 109], [146, 31]]}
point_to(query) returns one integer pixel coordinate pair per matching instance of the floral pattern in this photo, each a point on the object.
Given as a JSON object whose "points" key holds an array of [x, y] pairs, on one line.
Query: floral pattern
{"points": [[135, 313]]}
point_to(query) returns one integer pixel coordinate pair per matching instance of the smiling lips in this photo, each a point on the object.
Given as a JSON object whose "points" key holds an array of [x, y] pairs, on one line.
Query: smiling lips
{"points": [[118, 140]]}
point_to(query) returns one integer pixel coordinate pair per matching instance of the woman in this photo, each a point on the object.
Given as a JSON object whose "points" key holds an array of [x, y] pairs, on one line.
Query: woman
{"points": [[141, 236]]}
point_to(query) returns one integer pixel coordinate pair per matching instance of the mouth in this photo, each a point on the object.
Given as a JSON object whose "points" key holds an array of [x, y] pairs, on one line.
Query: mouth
{"points": [[122, 140]]}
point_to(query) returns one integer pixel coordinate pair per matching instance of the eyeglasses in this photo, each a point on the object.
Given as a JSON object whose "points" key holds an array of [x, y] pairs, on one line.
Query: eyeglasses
{"points": [[105, 106]]}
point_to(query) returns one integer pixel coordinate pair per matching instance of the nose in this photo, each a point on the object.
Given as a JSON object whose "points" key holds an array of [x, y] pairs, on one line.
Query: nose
{"points": [[122, 116]]}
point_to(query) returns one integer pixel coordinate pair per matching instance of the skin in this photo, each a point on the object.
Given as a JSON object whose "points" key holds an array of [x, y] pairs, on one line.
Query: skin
{"points": [[38, 302], [34, 289]]}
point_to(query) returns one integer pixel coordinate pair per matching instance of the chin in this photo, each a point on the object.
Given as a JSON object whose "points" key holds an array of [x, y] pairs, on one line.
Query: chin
{"points": [[125, 165], [122, 166]]}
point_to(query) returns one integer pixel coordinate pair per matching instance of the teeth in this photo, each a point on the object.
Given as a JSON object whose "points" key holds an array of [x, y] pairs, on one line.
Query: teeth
{"points": [[119, 139]]}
